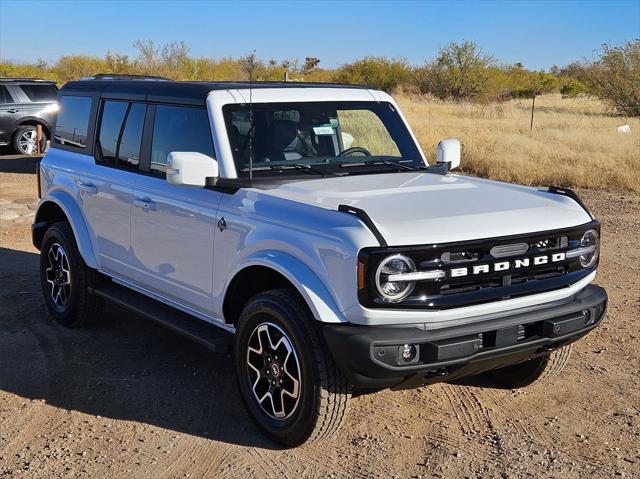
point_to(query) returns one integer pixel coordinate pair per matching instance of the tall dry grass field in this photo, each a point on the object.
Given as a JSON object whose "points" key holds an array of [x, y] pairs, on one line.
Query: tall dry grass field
{"points": [[573, 142]]}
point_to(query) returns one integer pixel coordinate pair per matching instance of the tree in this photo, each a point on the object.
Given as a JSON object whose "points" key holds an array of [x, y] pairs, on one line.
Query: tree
{"points": [[117, 63], [148, 55], [614, 77], [461, 71], [310, 64], [250, 64], [175, 55]]}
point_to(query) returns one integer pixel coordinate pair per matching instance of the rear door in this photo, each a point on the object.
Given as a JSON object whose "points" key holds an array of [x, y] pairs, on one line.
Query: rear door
{"points": [[173, 227], [105, 179], [8, 115]]}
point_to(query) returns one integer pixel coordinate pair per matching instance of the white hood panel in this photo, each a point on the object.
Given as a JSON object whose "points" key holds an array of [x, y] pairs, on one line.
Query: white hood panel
{"points": [[420, 208]]}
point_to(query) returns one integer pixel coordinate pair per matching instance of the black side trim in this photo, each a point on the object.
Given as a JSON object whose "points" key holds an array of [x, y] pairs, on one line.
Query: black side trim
{"points": [[366, 219], [561, 190]]}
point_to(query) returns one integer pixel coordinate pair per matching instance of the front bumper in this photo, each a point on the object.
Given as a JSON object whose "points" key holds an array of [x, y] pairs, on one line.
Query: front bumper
{"points": [[371, 356]]}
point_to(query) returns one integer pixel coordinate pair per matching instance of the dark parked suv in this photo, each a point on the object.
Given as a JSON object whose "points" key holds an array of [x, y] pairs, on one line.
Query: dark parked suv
{"points": [[24, 104]]}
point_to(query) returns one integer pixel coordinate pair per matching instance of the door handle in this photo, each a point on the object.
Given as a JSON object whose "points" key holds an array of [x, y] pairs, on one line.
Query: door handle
{"points": [[88, 188], [13, 110], [145, 203]]}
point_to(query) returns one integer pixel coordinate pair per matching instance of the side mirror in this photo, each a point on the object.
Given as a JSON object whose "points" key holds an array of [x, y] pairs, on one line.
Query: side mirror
{"points": [[190, 168], [448, 151]]}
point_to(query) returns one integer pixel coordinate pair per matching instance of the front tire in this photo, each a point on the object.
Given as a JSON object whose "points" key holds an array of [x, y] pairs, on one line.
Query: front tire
{"points": [[66, 279], [534, 370], [288, 380]]}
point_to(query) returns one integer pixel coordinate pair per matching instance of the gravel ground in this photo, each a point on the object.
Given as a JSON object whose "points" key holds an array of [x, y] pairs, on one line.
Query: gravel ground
{"points": [[125, 398]]}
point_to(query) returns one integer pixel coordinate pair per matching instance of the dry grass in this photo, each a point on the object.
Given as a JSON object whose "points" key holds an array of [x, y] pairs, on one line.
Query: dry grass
{"points": [[573, 143]]}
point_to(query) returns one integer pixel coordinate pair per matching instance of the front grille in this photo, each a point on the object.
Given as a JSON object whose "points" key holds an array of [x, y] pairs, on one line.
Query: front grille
{"points": [[476, 269]]}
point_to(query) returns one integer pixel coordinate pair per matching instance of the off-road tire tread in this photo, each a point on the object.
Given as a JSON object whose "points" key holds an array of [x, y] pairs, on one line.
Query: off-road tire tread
{"points": [[335, 389], [547, 367], [88, 306]]}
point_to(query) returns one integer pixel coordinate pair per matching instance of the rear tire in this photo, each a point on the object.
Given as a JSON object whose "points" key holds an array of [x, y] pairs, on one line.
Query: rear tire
{"points": [[66, 279], [538, 369], [293, 391]]}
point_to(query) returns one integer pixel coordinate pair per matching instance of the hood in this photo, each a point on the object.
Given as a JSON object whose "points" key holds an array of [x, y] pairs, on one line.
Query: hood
{"points": [[421, 208]]}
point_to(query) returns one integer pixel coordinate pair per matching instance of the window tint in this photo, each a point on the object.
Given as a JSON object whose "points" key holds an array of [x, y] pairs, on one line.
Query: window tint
{"points": [[5, 97], [112, 117], [129, 151], [121, 133], [38, 93], [73, 121], [179, 129]]}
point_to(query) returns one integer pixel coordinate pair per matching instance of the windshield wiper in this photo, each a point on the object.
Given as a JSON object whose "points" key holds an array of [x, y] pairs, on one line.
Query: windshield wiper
{"points": [[304, 168], [394, 164]]}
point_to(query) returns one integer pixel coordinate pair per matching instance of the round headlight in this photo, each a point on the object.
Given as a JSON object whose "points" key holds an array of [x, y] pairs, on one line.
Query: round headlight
{"points": [[590, 238], [394, 291]]}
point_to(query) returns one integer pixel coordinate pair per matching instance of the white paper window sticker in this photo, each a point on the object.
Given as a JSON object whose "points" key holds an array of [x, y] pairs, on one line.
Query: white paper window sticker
{"points": [[323, 130]]}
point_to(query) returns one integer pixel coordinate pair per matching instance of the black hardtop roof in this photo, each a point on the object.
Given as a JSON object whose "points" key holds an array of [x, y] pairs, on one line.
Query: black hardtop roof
{"points": [[193, 92]]}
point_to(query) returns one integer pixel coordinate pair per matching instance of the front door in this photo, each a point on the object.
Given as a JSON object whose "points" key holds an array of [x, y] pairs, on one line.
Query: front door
{"points": [[173, 227]]}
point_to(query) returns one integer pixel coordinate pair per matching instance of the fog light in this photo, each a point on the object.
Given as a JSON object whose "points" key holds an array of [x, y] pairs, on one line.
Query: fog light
{"points": [[409, 352]]}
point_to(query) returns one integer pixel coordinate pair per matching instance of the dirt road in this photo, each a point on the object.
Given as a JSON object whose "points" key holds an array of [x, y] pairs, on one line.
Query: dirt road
{"points": [[125, 398]]}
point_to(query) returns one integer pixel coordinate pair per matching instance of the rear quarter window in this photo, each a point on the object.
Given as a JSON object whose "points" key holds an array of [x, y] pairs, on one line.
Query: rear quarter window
{"points": [[40, 93], [72, 122]]}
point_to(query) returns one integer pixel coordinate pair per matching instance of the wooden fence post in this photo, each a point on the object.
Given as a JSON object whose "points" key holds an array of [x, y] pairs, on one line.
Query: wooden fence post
{"points": [[533, 107], [38, 138]]}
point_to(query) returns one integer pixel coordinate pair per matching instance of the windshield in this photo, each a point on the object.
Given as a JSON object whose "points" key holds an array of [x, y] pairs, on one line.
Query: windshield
{"points": [[325, 136]]}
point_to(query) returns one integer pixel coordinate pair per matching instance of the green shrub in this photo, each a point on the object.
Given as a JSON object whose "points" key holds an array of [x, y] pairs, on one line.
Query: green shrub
{"points": [[573, 88], [379, 72]]}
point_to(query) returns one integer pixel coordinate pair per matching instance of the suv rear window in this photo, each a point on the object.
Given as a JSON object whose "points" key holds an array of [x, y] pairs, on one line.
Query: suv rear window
{"points": [[72, 122], [40, 93], [179, 128]]}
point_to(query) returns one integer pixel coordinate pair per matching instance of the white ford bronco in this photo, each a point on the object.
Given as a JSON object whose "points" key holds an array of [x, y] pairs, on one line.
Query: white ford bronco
{"points": [[301, 226]]}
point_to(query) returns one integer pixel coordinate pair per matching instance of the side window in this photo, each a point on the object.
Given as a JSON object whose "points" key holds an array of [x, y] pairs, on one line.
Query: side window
{"points": [[72, 121], [110, 124], [40, 93], [5, 96], [179, 128], [121, 133]]}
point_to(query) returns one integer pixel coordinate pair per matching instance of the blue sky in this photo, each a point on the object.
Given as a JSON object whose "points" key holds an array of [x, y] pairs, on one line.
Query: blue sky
{"points": [[536, 33]]}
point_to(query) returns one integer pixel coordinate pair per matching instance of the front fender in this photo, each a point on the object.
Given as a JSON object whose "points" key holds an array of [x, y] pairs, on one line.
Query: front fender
{"points": [[312, 289], [77, 221]]}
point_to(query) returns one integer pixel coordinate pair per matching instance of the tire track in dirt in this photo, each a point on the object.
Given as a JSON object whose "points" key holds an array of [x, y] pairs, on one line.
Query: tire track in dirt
{"points": [[474, 419]]}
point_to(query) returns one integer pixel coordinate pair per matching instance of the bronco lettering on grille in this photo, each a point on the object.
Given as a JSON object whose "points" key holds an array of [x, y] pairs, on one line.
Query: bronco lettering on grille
{"points": [[507, 265]]}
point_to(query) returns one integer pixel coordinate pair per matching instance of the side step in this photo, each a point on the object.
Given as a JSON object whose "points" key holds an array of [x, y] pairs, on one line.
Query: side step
{"points": [[210, 336]]}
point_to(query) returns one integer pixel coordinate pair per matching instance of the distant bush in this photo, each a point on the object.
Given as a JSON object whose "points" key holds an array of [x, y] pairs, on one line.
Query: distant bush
{"points": [[614, 77], [379, 72], [460, 71], [573, 88]]}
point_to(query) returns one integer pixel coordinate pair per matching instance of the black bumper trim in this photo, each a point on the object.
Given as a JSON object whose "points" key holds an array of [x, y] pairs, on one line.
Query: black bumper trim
{"points": [[370, 356]]}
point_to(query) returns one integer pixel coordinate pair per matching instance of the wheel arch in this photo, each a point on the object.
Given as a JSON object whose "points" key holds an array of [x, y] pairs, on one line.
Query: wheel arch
{"points": [[61, 207], [33, 121], [272, 270]]}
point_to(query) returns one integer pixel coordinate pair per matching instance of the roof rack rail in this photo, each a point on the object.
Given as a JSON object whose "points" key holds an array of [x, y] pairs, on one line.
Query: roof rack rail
{"points": [[25, 79], [118, 76]]}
